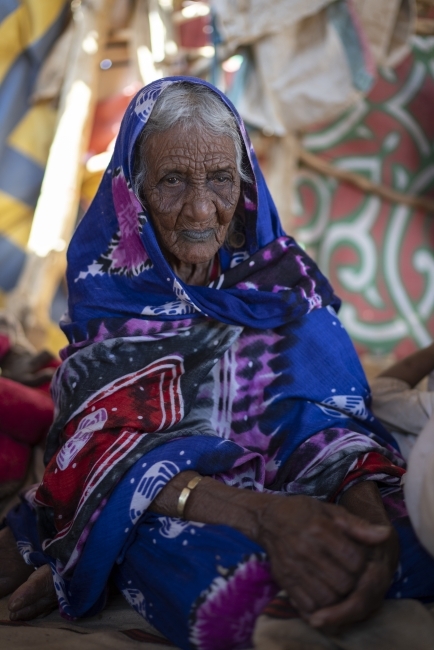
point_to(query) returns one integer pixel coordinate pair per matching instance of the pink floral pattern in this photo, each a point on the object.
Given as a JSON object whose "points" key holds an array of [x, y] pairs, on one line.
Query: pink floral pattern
{"points": [[226, 612]]}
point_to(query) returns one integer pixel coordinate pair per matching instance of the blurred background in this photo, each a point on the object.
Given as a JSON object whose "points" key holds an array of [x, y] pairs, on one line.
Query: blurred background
{"points": [[338, 97]]}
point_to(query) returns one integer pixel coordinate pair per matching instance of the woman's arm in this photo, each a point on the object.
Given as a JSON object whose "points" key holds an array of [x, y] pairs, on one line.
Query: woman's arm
{"points": [[413, 368], [318, 552]]}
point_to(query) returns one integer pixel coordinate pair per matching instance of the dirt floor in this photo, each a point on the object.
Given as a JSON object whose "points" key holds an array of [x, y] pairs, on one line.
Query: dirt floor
{"points": [[119, 627]]}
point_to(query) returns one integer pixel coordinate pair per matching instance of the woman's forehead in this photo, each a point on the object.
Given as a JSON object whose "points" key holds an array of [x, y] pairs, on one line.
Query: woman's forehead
{"points": [[189, 146]]}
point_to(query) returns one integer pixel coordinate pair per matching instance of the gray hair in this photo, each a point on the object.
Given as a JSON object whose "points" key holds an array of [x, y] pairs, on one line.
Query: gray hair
{"points": [[182, 102]]}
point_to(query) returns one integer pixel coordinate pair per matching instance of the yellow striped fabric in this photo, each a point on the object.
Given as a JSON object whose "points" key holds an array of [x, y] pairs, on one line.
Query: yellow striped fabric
{"points": [[24, 26], [27, 32]]}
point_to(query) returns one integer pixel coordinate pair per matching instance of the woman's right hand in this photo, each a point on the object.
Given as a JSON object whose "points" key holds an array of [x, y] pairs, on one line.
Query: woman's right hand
{"points": [[318, 551]]}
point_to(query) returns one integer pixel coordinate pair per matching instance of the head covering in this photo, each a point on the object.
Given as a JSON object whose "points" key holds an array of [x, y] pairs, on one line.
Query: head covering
{"points": [[116, 269]]}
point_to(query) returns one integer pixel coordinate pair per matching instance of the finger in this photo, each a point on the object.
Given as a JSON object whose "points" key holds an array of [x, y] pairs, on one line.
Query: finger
{"points": [[35, 597], [358, 606], [306, 584], [42, 607], [352, 610], [320, 594], [301, 600], [334, 553], [361, 530], [340, 578]]}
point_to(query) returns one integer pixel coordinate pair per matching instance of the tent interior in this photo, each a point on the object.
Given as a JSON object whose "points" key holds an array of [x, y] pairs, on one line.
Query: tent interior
{"points": [[338, 99]]}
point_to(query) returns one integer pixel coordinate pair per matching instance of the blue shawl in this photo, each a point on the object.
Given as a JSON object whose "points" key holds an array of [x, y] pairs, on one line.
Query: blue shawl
{"points": [[116, 268]]}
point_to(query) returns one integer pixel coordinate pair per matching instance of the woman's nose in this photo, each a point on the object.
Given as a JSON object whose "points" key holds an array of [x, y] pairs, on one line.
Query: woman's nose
{"points": [[199, 206]]}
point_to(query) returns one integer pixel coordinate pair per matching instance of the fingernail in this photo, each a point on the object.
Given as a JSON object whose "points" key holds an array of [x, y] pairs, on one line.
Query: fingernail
{"points": [[13, 616], [316, 621], [15, 604], [382, 529]]}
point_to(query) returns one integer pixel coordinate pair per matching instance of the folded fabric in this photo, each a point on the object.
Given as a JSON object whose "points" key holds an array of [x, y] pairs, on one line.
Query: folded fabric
{"points": [[400, 407], [419, 486], [284, 86], [25, 417]]}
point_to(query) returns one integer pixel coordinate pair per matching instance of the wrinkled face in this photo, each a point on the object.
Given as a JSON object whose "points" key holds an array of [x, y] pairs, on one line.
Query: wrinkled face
{"points": [[192, 190]]}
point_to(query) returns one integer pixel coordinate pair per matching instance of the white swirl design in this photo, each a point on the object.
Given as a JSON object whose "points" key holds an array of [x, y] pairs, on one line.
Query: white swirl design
{"points": [[88, 425], [153, 480], [344, 406]]}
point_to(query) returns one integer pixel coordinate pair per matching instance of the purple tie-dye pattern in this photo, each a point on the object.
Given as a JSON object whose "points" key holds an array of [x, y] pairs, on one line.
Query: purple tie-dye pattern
{"points": [[246, 286], [237, 391], [225, 601], [238, 388], [127, 253], [313, 298], [249, 476], [254, 352], [271, 254]]}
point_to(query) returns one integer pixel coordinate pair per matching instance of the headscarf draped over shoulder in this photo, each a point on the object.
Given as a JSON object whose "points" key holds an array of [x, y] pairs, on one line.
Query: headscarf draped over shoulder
{"points": [[117, 272]]}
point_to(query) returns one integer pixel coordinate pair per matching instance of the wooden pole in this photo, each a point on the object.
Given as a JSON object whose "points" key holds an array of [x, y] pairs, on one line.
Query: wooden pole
{"points": [[281, 169], [56, 210], [320, 165]]}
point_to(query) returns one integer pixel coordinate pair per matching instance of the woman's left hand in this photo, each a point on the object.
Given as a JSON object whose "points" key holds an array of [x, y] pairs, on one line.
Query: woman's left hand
{"points": [[377, 576]]}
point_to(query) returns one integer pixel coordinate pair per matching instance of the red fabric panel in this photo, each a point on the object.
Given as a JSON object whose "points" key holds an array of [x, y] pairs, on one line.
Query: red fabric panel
{"points": [[4, 345], [14, 459], [370, 464], [25, 413]]}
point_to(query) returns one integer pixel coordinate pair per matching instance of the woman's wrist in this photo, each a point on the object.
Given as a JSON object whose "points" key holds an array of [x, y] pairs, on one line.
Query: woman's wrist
{"points": [[364, 500], [213, 502], [166, 502]]}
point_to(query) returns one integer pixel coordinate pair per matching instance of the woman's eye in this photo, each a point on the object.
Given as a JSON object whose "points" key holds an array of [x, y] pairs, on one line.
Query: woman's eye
{"points": [[172, 180], [220, 178]]}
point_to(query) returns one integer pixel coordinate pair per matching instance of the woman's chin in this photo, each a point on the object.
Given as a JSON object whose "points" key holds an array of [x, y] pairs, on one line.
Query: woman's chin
{"points": [[197, 253]]}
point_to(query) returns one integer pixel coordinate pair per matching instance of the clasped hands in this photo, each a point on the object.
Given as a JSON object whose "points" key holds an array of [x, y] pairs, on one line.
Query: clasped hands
{"points": [[335, 566], [335, 562]]}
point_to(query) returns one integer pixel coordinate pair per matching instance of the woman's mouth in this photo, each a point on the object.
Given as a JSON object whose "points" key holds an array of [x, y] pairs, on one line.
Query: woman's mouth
{"points": [[198, 235]]}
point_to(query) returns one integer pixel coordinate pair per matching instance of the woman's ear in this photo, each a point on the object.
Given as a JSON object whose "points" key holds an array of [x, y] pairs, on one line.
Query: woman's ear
{"points": [[235, 236]]}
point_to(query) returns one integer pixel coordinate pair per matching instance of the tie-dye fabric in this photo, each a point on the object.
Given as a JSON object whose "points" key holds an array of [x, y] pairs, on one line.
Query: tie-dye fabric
{"points": [[251, 379]]}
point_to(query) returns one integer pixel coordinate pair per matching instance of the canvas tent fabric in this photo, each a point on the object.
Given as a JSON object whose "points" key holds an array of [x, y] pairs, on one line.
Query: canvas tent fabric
{"points": [[28, 30], [378, 254], [308, 61]]}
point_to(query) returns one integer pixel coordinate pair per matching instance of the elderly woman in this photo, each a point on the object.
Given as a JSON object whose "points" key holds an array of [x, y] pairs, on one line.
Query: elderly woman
{"points": [[207, 378]]}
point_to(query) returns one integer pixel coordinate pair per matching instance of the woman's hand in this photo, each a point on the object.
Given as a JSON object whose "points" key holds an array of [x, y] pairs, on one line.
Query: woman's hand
{"points": [[334, 565], [364, 499], [324, 557], [368, 594]]}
